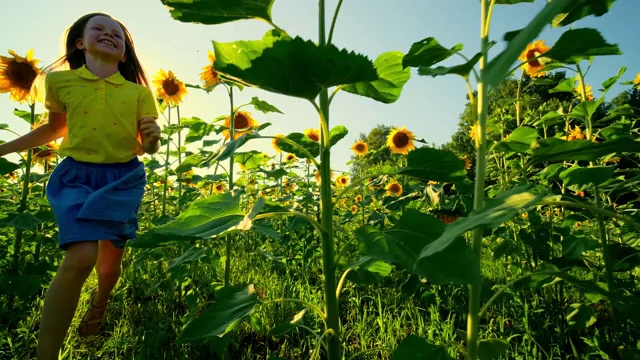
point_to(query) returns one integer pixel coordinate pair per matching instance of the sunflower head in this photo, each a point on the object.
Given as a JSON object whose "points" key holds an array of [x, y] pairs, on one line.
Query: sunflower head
{"points": [[400, 141], [291, 158], [168, 88], [586, 93], [360, 148], [17, 75], [275, 141], [209, 76], [534, 63], [636, 81], [218, 188], [243, 123], [342, 180], [354, 209], [313, 134], [394, 189], [358, 198]]}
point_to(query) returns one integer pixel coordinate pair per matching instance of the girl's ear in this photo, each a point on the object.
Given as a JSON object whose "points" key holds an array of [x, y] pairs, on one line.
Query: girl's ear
{"points": [[124, 58], [80, 44]]}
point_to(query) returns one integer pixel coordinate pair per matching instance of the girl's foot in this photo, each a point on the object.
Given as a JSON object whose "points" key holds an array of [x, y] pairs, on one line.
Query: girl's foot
{"points": [[91, 323]]}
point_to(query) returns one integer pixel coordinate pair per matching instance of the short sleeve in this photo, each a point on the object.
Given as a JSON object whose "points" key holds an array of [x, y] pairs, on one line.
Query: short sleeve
{"points": [[146, 105], [51, 100]]}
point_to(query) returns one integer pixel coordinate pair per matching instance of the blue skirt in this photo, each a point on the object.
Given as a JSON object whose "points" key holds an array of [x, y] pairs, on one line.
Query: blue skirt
{"points": [[96, 201]]}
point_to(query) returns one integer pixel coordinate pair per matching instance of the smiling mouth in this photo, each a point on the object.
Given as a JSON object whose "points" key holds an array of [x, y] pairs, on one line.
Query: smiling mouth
{"points": [[108, 42]]}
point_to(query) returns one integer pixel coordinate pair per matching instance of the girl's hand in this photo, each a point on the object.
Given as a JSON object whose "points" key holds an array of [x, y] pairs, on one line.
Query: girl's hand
{"points": [[150, 135]]}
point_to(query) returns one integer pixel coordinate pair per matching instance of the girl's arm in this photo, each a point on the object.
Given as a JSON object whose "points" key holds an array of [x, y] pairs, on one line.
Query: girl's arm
{"points": [[54, 129], [150, 134]]}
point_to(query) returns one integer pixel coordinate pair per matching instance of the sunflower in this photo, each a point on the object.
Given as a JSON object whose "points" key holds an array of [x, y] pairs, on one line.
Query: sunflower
{"points": [[400, 141], [636, 81], [354, 209], [358, 198], [360, 148], [41, 156], [587, 94], [313, 134], [275, 141], [342, 180], [243, 124], [219, 188], [394, 189], [575, 133], [467, 163], [13, 176], [208, 75], [473, 131], [169, 88], [534, 64], [17, 75], [291, 158]]}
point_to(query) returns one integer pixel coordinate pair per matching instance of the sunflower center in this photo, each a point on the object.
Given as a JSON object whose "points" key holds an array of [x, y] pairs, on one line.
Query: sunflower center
{"points": [[360, 147], [531, 54], [241, 121], [400, 139], [314, 136], [395, 188], [21, 74], [170, 87]]}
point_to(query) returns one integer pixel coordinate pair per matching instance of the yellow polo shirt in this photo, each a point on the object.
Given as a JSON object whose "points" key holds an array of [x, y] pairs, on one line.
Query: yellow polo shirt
{"points": [[102, 114]]}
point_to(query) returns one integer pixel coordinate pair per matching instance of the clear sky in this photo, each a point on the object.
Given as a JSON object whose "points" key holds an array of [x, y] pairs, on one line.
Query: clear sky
{"points": [[429, 107]]}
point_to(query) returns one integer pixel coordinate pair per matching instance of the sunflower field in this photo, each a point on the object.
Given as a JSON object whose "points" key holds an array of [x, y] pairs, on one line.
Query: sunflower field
{"points": [[517, 240]]}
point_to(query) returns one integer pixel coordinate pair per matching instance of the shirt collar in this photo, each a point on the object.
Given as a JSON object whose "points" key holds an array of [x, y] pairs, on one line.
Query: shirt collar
{"points": [[115, 79]]}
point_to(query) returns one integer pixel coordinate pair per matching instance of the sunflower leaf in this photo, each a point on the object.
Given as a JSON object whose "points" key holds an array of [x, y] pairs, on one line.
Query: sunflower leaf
{"points": [[291, 66], [303, 140], [391, 79], [428, 52], [463, 69], [433, 164], [337, 133], [263, 106], [212, 12], [582, 9], [577, 44]]}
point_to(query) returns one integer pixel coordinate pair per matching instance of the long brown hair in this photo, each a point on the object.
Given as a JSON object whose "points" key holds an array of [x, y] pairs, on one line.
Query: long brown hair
{"points": [[130, 69]]}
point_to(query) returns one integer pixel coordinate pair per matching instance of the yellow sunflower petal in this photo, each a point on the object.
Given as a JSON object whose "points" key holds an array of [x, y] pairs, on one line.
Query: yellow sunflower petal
{"points": [[400, 141]]}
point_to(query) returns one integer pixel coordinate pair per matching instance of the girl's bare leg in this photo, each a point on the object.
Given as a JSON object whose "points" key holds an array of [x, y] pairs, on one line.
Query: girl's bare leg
{"points": [[109, 268], [61, 300]]}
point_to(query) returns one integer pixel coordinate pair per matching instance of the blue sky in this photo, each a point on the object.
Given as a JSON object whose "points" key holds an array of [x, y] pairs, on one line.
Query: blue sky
{"points": [[429, 107]]}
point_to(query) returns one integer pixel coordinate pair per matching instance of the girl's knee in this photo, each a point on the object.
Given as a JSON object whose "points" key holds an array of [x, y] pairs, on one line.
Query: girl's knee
{"points": [[81, 257]]}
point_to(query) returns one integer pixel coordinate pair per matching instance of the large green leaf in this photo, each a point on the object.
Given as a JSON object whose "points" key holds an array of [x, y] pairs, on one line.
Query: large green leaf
{"points": [[291, 66], [416, 348], [433, 164], [251, 160], [577, 44], [495, 211], [337, 133], [581, 177], [304, 141], [391, 78], [7, 166], [263, 106], [492, 349], [580, 316], [218, 11], [205, 218], [368, 271], [553, 149], [232, 305], [428, 52], [498, 68], [519, 141], [198, 129], [462, 69], [191, 161], [581, 9]]}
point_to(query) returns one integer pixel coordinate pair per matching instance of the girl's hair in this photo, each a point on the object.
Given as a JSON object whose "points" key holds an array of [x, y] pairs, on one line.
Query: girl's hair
{"points": [[130, 69]]}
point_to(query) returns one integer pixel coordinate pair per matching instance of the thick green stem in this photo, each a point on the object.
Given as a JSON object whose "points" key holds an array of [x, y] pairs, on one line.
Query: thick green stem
{"points": [[166, 167], [473, 318], [328, 258], [606, 256], [227, 259], [17, 244], [179, 158]]}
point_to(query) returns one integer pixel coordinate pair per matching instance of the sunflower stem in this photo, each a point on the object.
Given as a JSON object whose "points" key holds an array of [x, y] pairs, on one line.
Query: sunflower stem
{"points": [[166, 165], [179, 158], [473, 317], [227, 259], [333, 22]]}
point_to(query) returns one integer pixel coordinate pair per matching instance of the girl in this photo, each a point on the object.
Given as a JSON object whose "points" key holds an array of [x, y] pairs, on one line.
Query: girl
{"points": [[106, 114]]}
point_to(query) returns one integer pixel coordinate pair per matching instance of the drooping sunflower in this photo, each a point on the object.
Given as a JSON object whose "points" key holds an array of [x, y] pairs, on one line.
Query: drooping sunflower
{"points": [[534, 63], [360, 148], [394, 189], [587, 94], [169, 88], [243, 124], [208, 75], [219, 188], [313, 134], [354, 209], [342, 180], [358, 198], [275, 141], [400, 141], [291, 158], [17, 75]]}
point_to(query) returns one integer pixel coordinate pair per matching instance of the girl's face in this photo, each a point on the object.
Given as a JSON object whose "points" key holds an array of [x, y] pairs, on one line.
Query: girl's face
{"points": [[103, 38]]}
